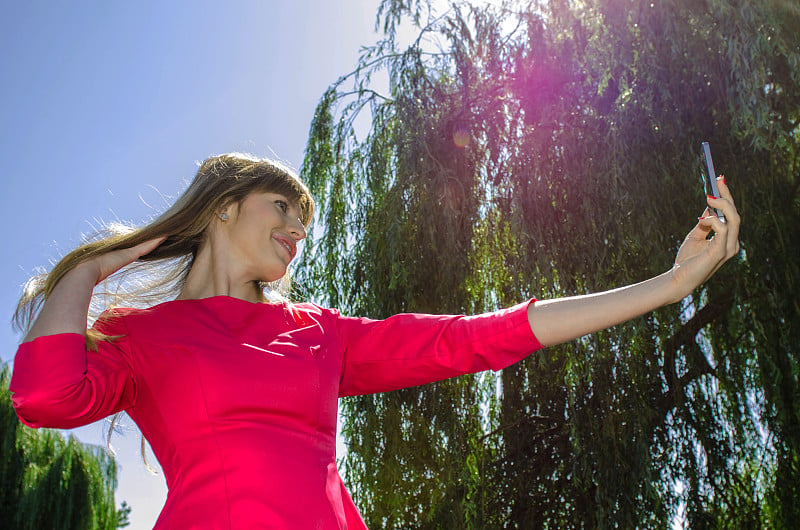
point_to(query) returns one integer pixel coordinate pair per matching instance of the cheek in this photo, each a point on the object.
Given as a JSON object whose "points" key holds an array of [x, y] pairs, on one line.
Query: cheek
{"points": [[246, 238]]}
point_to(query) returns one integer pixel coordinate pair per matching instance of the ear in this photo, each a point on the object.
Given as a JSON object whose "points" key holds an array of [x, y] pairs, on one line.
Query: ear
{"points": [[227, 212]]}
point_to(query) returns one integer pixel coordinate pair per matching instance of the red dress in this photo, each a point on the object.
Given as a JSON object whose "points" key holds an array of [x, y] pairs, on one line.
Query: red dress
{"points": [[239, 400]]}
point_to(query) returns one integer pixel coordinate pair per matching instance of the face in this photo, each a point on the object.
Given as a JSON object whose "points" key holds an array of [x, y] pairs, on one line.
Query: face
{"points": [[261, 235]]}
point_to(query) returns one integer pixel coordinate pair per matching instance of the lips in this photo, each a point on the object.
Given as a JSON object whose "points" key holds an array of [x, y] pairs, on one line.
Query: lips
{"points": [[287, 243]]}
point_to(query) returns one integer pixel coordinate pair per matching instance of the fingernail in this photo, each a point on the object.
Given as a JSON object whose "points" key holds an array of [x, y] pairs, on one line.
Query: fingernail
{"points": [[711, 197]]}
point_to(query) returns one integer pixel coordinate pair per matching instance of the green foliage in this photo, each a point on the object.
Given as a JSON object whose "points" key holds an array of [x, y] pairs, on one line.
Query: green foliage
{"points": [[49, 482], [549, 149]]}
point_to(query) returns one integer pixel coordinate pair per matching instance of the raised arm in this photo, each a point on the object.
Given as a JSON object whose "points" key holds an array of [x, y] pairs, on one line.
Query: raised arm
{"points": [[57, 381], [564, 319], [67, 306]]}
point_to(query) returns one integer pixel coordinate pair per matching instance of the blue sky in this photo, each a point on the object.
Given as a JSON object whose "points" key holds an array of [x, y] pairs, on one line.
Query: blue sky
{"points": [[107, 106]]}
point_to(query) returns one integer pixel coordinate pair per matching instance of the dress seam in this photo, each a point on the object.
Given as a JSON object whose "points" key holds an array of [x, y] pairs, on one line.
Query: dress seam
{"points": [[213, 428]]}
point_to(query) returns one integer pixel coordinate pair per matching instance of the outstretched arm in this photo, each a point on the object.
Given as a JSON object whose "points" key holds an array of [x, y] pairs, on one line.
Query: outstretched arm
{"points": [[564, 319]]}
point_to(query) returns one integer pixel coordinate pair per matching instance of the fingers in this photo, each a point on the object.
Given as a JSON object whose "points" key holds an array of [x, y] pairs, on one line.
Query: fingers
{"points": [[724, 191], [719, 243], [112, 261], [701, 229], [714, 249], [725, 204], [131, 254], [147, 247]]}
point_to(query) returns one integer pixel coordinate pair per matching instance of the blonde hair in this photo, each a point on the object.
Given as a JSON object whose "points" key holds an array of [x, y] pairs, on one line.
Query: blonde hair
{"points": [[160, 275], [220, 181]]}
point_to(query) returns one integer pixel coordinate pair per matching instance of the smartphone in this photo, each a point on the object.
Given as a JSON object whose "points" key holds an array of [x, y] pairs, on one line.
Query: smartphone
{"points": [[710, 177]]}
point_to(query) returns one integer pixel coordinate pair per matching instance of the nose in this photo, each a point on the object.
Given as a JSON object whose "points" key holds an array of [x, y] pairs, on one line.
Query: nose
{"points": [[297, 229]]}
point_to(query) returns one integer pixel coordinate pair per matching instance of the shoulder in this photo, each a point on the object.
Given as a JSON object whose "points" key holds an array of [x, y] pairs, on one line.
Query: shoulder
{"points": [[114, 321], [307, 313]]}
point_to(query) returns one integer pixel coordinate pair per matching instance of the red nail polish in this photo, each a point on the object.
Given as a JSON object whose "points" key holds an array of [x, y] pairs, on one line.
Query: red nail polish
{"points": [[711, 197]]}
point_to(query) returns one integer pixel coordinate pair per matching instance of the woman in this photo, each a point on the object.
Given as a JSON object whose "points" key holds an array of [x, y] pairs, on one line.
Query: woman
{"points": [[238, 395]]}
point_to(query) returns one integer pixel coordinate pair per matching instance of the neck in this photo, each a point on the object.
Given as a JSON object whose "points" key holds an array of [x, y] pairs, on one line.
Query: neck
{"points": [[211, 275]]}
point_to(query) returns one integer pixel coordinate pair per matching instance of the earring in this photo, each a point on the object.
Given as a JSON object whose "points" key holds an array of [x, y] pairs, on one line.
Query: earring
{"points": [[223, 216]]}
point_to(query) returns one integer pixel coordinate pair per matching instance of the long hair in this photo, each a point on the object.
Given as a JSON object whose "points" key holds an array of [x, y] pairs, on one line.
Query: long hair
{"points": [[160, 275]]}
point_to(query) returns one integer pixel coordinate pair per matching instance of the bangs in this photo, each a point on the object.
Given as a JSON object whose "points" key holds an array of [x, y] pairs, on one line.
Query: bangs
{"points": [[270, 176]]}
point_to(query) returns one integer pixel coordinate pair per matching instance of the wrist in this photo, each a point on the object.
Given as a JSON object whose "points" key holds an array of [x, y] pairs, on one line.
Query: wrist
{"points": [[677, 288]]}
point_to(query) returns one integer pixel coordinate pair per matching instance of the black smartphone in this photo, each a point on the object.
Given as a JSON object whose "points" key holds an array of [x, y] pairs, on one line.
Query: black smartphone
{"points": [[710, 177]]}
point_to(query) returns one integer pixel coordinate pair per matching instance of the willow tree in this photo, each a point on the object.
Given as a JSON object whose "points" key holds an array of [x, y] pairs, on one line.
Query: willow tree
{"points": [[47, 481], [550, 149]]}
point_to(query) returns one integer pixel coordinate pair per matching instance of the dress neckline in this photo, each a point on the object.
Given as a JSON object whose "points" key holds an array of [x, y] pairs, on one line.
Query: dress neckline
{"points": [[216, 299]]}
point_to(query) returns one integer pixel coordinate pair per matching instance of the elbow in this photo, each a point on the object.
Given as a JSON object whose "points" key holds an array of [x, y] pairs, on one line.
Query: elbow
{"points": [[28, 411], [38, 407], [47, 380], [29, 400]]}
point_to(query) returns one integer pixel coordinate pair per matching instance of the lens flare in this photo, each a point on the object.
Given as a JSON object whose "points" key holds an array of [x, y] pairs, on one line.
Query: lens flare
{"points": [[461, 137]]}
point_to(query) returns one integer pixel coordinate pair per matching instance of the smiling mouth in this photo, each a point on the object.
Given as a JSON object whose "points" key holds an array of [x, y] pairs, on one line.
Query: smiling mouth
{"points": [[288, 245]]}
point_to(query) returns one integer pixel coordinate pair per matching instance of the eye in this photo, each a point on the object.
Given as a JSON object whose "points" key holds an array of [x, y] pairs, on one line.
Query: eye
{"points": [[283, 205]]}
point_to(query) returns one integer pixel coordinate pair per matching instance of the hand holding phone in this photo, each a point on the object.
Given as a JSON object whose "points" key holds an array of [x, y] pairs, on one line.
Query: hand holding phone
{"points": [[710, 177]]}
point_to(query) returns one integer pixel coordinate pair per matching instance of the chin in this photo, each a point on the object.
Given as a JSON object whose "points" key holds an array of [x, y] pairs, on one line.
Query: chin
{"points": [[274, 276]]}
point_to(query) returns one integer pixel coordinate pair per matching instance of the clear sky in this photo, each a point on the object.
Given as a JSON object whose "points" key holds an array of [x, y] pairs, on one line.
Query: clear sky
{"points": [[107, 106]]}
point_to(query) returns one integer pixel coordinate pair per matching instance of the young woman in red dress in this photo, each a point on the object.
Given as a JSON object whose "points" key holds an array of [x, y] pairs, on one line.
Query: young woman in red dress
{"points": [[237, 394]]}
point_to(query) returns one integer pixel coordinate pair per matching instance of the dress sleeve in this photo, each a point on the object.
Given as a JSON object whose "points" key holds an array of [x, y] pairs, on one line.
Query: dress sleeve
{"points": [[58, 382], [413, 349]]}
